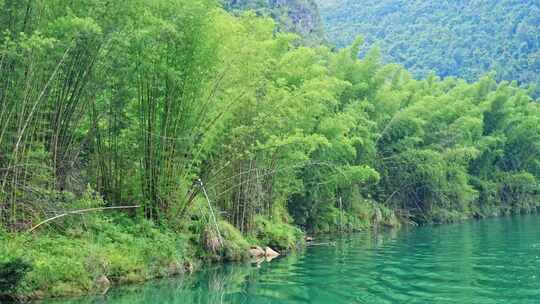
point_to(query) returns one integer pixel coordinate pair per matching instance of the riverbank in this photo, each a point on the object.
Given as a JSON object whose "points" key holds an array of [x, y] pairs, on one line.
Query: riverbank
{"points": [[428, 264], [89, 254]]}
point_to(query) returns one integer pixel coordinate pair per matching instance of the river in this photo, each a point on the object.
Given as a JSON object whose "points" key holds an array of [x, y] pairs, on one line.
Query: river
{"points": [[482, 262]]}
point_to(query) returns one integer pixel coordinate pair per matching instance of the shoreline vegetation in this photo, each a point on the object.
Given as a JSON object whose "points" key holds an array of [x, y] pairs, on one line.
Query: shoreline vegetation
{"points": [[226, 134], [74, 266]]}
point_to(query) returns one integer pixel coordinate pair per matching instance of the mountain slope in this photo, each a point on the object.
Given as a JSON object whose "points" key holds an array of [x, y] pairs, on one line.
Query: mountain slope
{"points": [[297, 16], [463, 38]]}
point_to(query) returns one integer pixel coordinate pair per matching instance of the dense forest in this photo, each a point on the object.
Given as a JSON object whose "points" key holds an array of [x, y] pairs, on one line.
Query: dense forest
{"points": [[454, 38], [175, 130]]}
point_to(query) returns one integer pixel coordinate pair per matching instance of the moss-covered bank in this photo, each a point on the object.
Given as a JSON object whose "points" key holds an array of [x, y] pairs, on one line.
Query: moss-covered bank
{"points": [[87, 254], [97, 252]]}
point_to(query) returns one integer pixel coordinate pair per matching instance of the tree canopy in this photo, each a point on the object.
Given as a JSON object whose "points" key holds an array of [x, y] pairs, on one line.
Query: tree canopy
{"points": [[139, 101], [453, 38]]}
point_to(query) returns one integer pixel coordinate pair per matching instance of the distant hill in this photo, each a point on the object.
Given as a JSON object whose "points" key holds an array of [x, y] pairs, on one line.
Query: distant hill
{"points": [[463, 38], [297, 16]]}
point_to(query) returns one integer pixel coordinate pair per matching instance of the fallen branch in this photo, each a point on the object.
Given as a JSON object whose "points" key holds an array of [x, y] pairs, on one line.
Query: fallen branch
{"points": [[79, 212]]}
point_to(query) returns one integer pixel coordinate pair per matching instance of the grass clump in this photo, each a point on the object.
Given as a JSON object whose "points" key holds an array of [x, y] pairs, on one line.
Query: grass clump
{"points": [[361, 215], [12, 272], [278, 235], [232, 246], [234, 243]]}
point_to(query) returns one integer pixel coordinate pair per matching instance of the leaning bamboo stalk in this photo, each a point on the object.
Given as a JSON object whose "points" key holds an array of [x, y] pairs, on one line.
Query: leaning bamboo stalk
{"points": [[211, 212], [40, 97], [80, 212]]}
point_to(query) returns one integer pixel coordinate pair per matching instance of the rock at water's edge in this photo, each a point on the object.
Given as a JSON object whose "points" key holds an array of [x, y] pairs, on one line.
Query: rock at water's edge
{"points": [[270, 253], [256, 251]]}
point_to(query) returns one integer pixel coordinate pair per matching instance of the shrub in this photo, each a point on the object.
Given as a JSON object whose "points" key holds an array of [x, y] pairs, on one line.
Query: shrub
{"points": [[235, 245], [277, 234], [231, 247], [12, 273]]}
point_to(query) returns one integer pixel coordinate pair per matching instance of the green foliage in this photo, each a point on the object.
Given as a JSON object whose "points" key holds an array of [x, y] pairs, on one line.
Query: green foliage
{"points": [[152, 101], [277, 234], [199, 116], [235, 245], [71, 263], [11, 274], [455, 38]]}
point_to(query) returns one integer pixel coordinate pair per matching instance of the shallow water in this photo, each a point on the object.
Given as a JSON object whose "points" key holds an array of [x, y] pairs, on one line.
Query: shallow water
{"points": [[481, 262]]}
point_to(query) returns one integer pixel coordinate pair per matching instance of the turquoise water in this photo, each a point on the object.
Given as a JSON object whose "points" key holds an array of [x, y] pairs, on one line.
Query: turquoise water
{"points": [[481, 262]]}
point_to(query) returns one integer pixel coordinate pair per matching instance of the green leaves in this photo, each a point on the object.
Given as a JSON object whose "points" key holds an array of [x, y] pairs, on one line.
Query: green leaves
{"points": [[141, 99], [445, 37], [11, 274], [356, 175]]}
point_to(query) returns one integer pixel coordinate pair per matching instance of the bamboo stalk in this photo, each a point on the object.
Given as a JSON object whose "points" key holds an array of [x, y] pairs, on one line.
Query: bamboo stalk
{"points": [[79, 212]]}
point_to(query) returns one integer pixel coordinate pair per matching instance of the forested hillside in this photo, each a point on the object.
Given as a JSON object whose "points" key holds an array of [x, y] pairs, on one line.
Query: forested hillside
{"points": [[297, 16], [212, 132], [454, 38]]}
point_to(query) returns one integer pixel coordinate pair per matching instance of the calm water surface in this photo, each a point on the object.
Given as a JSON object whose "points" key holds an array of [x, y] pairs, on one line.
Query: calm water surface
{"points": [[481, 262]]}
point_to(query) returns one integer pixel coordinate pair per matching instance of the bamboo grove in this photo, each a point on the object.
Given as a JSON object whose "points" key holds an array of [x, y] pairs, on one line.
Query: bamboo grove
{"points": [[136, 101]]}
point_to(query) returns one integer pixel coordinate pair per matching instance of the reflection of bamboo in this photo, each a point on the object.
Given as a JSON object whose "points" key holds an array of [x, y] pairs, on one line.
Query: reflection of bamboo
{"points": [[216, 282], [340, 214]]}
